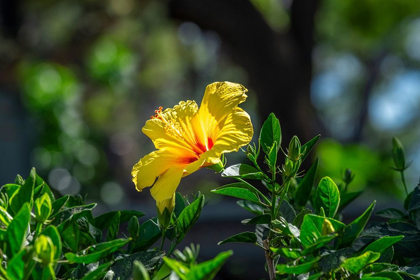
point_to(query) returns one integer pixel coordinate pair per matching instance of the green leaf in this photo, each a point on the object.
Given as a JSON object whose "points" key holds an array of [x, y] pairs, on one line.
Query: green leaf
{"points": [[387, 255], [389, 275], [334, 259], [352, 230], [381, 244], [243, 171], [347, 198], [287, 212], [290, 253], [179, 204], [244, 237], [180, 269], [378, 267], [207, 270], [291, 268], [391, 213], [190, 215], [252, 207], [139, 271], [304, 188], [98, 273], [415, 199], [320, 242], [299, 218], [272, 157], [96, 252], [18, 230], [16, 267], [270, 133], [149, 234], [125, 266], [52, 232], [24, 194], [5, 217], [59, 204], [103, 221], [327, 196], [114, 227], [356, 264], [311, 229], [262, 219], [238, 190], [307, 147]]}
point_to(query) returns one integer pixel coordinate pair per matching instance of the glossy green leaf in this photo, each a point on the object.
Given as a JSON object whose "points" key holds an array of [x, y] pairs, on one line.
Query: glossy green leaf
{"points": [[180, 269], [356, 264], [114, 227], [209, 269], [305, 186], [299, 218], [16, 267], [59, 204], [378, 267], [262, 219], [243, 171], [331, 260], [391, 213], [327, 196], [307, 147], [238, 190], [18, 230], [5, 217], [290, 253], [272, 157], [320, 242], [24, 194], [388, 275], [287, 212], [352, 230], [52, 232], [381, 244], [311, 229], [96, 252], [190, 215], [415, 199], [98, 273], [125, 266], [291, 268], [252, 207], [179, 204], [149, 234], [139, 271], [270, 133], [244, 237], [103, 221]]}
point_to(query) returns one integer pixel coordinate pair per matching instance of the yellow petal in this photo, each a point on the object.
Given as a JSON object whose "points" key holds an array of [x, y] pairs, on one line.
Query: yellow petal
{"points": [[219, 100], [173, 130], [236, 131], [166, 185], [152, 166]]}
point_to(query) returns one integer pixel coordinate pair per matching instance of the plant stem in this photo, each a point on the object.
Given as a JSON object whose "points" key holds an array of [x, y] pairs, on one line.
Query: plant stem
{"points": [[269, 260], [403, 180], [163, 239]]}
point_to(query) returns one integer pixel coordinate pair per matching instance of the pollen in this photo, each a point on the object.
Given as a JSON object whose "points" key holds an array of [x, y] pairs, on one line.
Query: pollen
{"points": [[158, 114]]}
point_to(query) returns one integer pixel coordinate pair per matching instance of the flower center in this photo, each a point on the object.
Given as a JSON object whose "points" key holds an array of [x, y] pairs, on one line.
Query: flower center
{"points": [[173, 128]]}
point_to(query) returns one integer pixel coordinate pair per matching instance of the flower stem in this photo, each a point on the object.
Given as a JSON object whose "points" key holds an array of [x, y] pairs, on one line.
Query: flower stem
{"points": [[163, 239], [404, 183]]}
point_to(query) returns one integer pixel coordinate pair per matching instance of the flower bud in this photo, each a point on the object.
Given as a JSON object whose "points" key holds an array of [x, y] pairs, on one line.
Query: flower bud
{"points": [[327, 227], [398, 154], [134, 227], [348, 176], [45, 250], [42, 208], [165, 209], [294, 149], [218, 167], [288, 168]]}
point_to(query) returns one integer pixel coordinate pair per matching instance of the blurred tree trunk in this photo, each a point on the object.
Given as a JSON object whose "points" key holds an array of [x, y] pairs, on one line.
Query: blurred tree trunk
{"points": [[279, 65]]}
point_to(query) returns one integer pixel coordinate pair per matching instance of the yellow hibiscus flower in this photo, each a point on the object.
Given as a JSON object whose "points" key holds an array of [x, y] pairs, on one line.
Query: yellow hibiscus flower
{"points": [[188, 138]]}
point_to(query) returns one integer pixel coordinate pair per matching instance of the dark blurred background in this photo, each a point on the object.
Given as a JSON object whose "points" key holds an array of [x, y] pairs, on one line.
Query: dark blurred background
{"points": [[78, 79]]}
